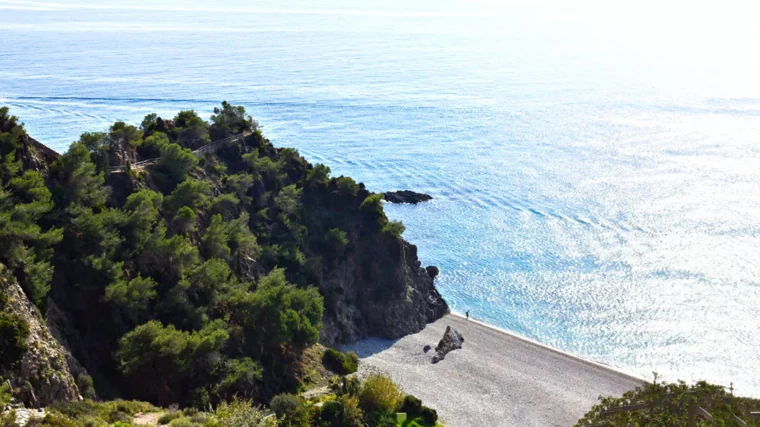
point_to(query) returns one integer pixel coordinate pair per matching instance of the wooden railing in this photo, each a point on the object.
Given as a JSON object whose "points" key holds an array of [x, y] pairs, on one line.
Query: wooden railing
{"points": [[200, 152]]}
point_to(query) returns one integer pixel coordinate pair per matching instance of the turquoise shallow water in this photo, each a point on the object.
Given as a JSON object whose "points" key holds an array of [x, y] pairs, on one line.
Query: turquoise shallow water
{"points": [[596, 171]]}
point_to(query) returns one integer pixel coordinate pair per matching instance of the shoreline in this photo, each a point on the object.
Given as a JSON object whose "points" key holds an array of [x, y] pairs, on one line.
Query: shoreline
{"points": [[497, 378], [550, 348]]}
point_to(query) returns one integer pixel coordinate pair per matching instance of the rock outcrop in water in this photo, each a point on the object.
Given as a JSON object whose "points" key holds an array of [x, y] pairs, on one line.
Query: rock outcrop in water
{"points": [[452, 340], [406, 196]]}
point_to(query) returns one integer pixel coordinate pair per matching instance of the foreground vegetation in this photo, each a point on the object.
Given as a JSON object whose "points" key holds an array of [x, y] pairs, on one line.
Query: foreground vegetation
{"points": [[377, 401], [673, 404], [189, 282]]}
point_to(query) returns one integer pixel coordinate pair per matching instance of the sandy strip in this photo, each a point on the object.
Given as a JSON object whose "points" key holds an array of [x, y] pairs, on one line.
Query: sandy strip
{"points": [[497, 379]]}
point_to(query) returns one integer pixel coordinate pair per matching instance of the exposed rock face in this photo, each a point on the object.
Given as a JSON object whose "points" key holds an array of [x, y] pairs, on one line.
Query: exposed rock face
{"points": [[43, 374], [406, 196], [379, 291], [452, 340]]}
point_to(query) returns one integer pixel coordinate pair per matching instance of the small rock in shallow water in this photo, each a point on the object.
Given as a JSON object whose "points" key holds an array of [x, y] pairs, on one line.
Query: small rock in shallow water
{"points": [[406, 196]]}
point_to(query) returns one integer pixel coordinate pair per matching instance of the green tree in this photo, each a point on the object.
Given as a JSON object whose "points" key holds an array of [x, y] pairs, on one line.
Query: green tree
{"points": [[190, 130], [166, 258], [27, 247], [174, 164], [174, 360], [277, 314], [215, 239], [185, 220], [191, 193], [225, 205], [239, 185], [239, 377], [230, 120], [149, 124], [134, 296], [79, 181], [14, 332], [142, 210], [153, 144]]}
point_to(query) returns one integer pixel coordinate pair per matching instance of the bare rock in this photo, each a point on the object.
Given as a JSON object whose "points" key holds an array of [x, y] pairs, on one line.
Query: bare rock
{"points": [[42, 375], [452, 340], [406, 196]]}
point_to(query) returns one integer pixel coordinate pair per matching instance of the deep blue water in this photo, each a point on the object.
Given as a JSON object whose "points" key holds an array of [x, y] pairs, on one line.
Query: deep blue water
{"points": [[596, 169]]}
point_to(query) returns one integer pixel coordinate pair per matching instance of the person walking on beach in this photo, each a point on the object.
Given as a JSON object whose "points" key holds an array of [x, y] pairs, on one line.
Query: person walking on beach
{"points": [[467, 313]]}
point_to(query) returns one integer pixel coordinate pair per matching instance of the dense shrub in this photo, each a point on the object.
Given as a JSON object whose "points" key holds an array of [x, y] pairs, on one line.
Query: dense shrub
{"points": [[342, 412], [429, 415], [86, 386], [394, 228], [285, 404], [5, 394], [379, 394], [347, 385], [169, 417], [670, 404], [174, 164], [14, 332], [340, 363], [240, 413], [411, 405]]}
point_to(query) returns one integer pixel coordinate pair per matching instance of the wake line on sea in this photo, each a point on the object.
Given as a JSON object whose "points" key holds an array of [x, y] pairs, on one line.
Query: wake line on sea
{"points": [[319, 105]]}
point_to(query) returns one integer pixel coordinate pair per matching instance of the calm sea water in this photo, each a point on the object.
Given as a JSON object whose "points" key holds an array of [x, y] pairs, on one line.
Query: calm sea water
{"points": [[596, 170]]}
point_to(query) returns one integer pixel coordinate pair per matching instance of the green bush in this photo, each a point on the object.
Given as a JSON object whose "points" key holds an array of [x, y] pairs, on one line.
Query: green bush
{"points": [[340, 363], [183, 422], [240, 413], [291, 410], [411, 405], [86, 386], [285, 404], [670, 404], [57, 420], [5, 394], [429, 415], [169, 417], [347, 385], [394, 228], [379, 394], [14, 332], [343, 412]]}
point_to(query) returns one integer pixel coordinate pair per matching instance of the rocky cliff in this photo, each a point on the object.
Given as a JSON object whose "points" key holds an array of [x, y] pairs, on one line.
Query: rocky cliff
{"points": [[381, 292], [45, 372]]}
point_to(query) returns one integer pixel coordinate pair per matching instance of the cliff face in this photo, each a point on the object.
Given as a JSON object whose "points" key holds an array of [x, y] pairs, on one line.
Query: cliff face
{"points": [[44, 373], [382, 291]]}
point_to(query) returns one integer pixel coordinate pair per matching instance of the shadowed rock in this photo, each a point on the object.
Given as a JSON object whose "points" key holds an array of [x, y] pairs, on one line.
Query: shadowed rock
{"points": [[452, 340], [406, 196]]}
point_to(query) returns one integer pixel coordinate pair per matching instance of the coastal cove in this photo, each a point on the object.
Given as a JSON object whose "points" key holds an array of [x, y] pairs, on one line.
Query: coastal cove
{"points": [[595, 194], [498, 378]]}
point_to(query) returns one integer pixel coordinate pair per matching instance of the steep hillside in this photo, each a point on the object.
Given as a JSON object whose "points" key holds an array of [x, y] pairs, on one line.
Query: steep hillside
{"points": [[40, 369], [203, 274]]}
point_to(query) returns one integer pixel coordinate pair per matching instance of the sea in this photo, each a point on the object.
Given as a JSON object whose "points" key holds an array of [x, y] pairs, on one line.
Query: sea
{"points": [[595, 166]]}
